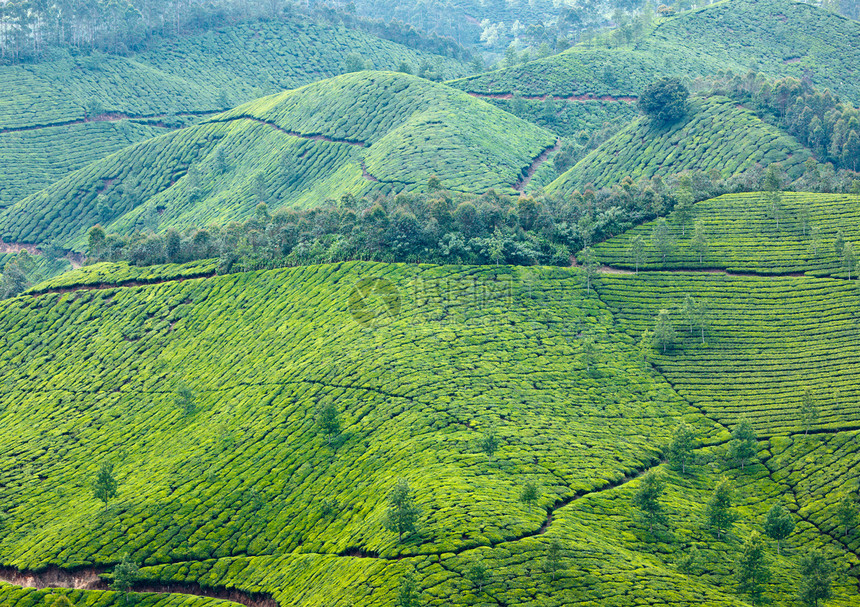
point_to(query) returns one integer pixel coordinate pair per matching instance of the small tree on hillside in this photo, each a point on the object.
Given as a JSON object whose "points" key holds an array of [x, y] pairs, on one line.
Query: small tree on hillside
{"points": [[124, 576], [647, 498], [328, 420], [809, 412], [636, 251], [477, 573], [699, 244], [664, 333], [184, 399], [105, 484], [664, 101], [402, 514], [744, 443], [839, 244], [530, 494], [661, 238], [489, 443], [816, 578], [591, 265], [752, 571], [407, 593], [778, 524], [847, 513], [552, 561], [681, 448], [690, 311], [849, 258], [684, 208], [719, 517]]}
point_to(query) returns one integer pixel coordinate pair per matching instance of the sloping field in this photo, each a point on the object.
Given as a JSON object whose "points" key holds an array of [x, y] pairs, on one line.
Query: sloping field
{"points": [[716, 135], [359, 133], [767, 339], [742, 235], [779, 37]]}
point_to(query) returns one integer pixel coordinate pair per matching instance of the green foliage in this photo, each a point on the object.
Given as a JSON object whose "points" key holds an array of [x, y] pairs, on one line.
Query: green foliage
{"points": [[407, 593], [478, 574], [553, 561], [752, 569], [105, 485], [328, 420], [489, 443], [719, 516], [816, 578], [809, 411], [647, 498], [848, 514], [402, 514], [529, 494], [664, 101], [124, 575], [778, 524], [744, 444], [664, 332], [681, 449], [185, 400]]}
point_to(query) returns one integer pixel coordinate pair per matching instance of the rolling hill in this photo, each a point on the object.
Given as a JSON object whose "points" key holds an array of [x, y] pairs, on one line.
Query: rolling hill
{"points": [[716, 135], [57, 116], [360, 133]]}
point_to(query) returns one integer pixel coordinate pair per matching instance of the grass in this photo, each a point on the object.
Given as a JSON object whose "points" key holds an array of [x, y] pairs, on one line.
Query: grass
{"points": [[742, 235], [716, 135], [295, 149]]}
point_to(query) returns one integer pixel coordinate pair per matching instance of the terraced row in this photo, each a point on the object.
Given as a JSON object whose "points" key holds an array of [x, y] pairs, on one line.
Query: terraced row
{"points": [[751, 233], [766, 341]]}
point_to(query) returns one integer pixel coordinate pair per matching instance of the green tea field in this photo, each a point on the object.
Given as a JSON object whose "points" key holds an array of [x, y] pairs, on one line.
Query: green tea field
{"points": [[359, 133]]}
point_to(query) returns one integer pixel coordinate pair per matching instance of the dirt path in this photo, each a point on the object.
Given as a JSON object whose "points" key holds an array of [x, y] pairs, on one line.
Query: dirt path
{"points": [[523, 181]]}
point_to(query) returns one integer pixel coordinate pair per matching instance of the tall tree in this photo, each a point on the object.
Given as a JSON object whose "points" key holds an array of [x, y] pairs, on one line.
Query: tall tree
{"points": [[809, 412], [719, 516], [699, 244], [752, 569], [744, 444], [591, 265], [664, 333], [328, 420], [816, 578], [847, 513], [681, 448], [661, 238], [407, 593], [647, 498], [402, 514], [552, 561], [684, 207], [849, 258], [124, 576], [636, 251], [529, 494], [489, 443], [778, 524], [105, 484], [477, 573]]}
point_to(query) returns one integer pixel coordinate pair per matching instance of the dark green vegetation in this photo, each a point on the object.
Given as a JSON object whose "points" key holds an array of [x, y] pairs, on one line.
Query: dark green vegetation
{"points": [[364, 133], [742, 234], [715, 136], [59, 115]]}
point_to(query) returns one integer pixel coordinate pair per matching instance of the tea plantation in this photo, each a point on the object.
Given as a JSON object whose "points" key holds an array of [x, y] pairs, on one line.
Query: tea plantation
{"points": [[359, 133], [716, 135], [777, 37], [242, 491], [750, 233]]}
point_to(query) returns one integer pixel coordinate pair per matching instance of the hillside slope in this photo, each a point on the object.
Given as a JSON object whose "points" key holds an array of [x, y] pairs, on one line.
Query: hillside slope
{"points": [[778, 38], [716, 135], [359, 133], [233, 495], [57, 116]]}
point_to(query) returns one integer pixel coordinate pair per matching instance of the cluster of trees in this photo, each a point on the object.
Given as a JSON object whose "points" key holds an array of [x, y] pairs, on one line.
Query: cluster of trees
{"points": [[752, 567], [28, 30], [819, 120]]}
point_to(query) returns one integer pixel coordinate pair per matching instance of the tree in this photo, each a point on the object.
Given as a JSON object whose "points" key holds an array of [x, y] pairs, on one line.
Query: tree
{"points": [[664, 101], [681, 448], [588, 352], [328, 420], [124, 576], [684, 208], [477, 573], [529, 494], [661, 238], [184, 399], [552, 560], [849, 258], [816, 577], [636, 251], [689, 561], [647, 498], [719, 517], [664, 333], [744, 443], [752, 569], [402, 514], [95, 242], [690, 311], [14, 278], [809, 412], [699, 244], [839, 244], [847, 513], [589, 262], [105, 484], [778, 524], [407, 593], [489, 443]]}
